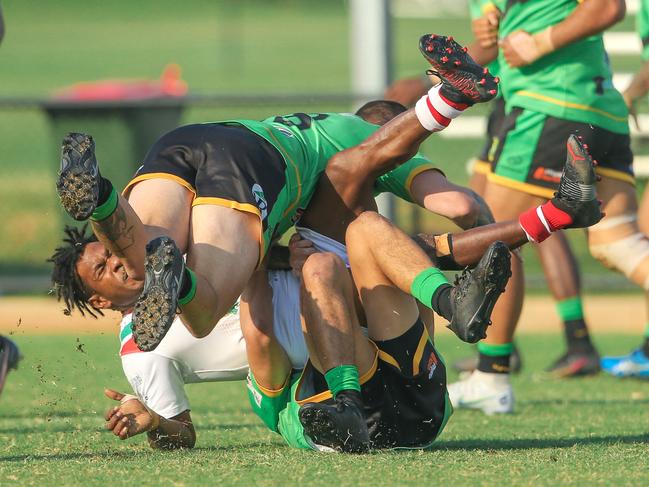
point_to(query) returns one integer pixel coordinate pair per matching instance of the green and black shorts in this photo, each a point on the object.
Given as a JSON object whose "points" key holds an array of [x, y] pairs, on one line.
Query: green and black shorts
{"points": [[404, 392], [222, 164], [529, 152]]}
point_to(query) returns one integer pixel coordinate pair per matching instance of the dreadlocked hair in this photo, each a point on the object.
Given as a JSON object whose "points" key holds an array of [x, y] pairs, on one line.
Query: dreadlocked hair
{"points": [[66, 283]]}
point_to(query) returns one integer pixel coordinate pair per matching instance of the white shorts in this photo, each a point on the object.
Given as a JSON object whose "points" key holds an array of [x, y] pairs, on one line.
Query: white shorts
{"points": [[286, 316]]}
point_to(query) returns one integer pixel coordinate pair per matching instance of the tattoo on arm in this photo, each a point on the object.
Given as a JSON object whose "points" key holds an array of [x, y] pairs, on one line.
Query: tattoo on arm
{"points": [[116, 230]]}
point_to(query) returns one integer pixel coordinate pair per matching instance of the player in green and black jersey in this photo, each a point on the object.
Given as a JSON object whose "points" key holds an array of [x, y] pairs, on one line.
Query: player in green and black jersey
{"points": [[241, 190]]}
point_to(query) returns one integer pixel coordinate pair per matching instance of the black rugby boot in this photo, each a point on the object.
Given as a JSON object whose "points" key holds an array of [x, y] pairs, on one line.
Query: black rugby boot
{"points": [[341, 427], [463, 80], [476, 291], [577, 193], [78, 179], [155, 309]]}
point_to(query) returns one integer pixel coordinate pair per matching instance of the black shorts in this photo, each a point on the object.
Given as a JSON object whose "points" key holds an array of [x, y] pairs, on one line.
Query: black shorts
{"points": [[530, 151], [494, 122], [222, 164], [404, 394]]}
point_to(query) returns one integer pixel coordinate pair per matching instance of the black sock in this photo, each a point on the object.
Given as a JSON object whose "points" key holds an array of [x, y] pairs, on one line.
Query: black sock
{"points": [[494, 364], [645, 347], [105, 189], [441, 302], [577, 336]]}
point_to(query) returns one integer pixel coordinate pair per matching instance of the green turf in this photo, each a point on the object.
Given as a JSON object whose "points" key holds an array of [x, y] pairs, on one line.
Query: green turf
{"points": [[583, 431]]}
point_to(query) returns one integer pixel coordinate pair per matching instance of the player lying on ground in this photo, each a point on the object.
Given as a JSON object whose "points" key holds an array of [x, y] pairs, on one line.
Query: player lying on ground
{"points": [[88, 278], [388, 271], [239, 184]]}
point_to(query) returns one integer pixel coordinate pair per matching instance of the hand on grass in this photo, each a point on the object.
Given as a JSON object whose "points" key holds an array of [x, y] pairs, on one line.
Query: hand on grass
{"points": [[130, 417]]}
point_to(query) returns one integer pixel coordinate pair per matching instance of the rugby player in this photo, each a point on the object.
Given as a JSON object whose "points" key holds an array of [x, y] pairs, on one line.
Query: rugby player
{"points": [[559, 264], [636, 363], [556, 80], [9, 353], [265, 175], [158, 377]]}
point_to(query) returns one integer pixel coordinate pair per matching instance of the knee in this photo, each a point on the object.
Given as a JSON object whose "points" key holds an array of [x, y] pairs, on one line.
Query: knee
{"points": [[364, 223], [618, 244], [322, 268]]}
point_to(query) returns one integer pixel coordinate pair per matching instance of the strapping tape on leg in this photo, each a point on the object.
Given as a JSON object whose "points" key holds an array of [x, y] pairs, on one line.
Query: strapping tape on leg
{"points": [[618, 244]]}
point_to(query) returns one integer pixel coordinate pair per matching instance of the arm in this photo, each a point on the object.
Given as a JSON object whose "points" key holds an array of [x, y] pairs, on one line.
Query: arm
{"points": [[132, 418], [431, 190], [589, 18], [160, 408]]}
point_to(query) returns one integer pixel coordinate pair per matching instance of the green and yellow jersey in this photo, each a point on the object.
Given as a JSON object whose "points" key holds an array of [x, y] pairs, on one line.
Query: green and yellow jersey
{"points": [[572, 83], [307, 142]]}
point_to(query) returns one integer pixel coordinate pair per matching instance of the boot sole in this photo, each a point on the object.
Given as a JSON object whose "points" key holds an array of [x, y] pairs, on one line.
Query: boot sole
{"points": [[452, 64], [77, 187], [155, 309]]}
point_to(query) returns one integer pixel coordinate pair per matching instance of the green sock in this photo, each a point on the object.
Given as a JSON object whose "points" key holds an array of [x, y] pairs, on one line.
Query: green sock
{"points": [[425, 284], [107, 208], [570, 309], [495, 350], [341, 378], [188, 288]]}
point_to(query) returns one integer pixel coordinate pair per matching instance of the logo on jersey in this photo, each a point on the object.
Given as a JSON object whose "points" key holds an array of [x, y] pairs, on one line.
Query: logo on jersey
{"points": [[285, 131], [545, 174], [235, 309], [432, 364], [260, 199]]}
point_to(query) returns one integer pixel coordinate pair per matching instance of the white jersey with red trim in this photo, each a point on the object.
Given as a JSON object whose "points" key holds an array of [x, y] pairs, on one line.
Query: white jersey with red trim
{"points": [[158, 377]]}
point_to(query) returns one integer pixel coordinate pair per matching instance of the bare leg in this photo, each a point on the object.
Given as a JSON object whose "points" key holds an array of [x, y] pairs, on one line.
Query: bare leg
{"points": [[331, 324], [268, 361], [560, 267], [136, 221], [328, 313], [507, 204], [223, 252]]}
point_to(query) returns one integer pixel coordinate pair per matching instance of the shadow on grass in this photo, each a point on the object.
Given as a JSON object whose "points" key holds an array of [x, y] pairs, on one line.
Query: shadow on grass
{"points": [[130, 454], [52, 428], [538, 443], [583, 402]]}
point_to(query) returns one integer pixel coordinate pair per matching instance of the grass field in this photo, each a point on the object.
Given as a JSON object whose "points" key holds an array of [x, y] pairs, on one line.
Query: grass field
{"points": [[581, 432]]}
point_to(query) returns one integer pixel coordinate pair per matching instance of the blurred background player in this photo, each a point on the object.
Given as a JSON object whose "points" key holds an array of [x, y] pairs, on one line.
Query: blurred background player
{"points": [[556, 80], [636, 363], [559, 264], [9, 353]]}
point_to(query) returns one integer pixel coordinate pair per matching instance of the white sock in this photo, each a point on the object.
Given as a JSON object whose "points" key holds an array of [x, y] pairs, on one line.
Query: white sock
{"points": [[436, 112]]}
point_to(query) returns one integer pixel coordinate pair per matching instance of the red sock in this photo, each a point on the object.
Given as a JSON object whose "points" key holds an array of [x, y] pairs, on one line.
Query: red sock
{"points": [[538, 223]]}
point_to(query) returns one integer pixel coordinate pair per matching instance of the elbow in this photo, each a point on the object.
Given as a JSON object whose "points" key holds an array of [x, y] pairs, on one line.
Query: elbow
{"points": [[613, 12], [466, 211]]}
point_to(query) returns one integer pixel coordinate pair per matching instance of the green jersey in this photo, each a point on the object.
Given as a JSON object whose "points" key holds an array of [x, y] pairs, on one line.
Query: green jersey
{"points": [[572, 83], [307, 142], [642, 26]]}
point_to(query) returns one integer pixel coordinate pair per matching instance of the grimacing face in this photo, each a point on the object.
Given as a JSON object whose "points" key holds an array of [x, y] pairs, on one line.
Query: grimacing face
{"points": [[105, 278]]}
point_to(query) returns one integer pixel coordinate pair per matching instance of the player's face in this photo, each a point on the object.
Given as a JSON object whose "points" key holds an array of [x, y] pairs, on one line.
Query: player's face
{"points": [[104, 274]]}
